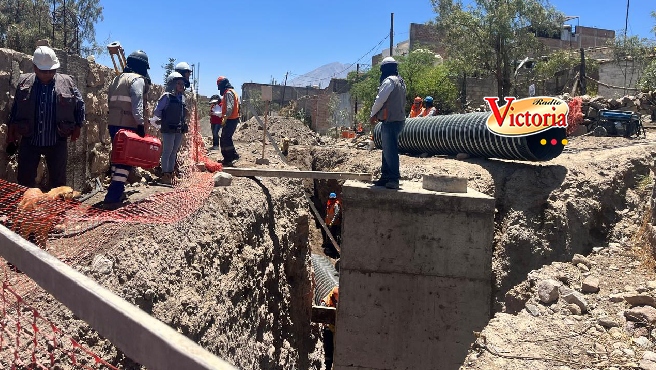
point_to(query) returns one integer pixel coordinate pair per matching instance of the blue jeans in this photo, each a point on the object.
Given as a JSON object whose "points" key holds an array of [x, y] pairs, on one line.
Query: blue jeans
{"points": [[390, 137], [120, 172], [215, 134], [170, 146]]}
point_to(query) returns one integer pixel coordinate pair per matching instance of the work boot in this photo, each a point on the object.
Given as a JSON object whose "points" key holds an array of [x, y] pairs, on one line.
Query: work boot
{"points": [[394, 185], [381, 182], [215, 147], [166, 179]]}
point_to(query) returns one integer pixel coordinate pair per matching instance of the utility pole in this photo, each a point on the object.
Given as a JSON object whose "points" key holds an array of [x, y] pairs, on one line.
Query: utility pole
{"points": [[65, 31], [392, 35], [282, 101], [582, 73], [626, 25], [54, 9]]}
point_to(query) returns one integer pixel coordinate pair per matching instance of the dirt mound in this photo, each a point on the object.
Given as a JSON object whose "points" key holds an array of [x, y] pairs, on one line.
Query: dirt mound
{"points": [[278, 127]]}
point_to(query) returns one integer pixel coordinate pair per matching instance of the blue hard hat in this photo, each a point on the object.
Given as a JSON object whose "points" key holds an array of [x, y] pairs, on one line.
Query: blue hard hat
{"points": [[429, 99], [332, 196]]}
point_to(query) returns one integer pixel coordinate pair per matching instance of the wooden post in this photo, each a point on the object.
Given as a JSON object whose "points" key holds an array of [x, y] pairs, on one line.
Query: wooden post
{"points": [[267, 96], [264, 132], [582, 73]]}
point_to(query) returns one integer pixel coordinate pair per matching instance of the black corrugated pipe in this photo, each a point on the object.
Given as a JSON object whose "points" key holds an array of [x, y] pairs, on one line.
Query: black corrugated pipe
{"points": [[467, 133]]}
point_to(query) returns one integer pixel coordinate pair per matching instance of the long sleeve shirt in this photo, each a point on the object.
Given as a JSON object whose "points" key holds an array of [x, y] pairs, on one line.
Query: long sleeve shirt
{"points": [[137, 98], [384, 92], [163, 103], [229, 101], [45, 127]]}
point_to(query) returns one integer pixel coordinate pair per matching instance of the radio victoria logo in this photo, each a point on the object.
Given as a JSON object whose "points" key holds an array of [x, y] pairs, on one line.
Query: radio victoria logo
{"points": [[528, 116]]}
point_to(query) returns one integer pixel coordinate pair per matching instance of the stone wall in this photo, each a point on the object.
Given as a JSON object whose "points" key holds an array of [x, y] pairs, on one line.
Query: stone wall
{"points": [[88, 157], [620, 75]]}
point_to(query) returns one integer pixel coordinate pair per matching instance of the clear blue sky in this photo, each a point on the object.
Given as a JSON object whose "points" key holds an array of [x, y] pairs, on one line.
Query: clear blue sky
{"points": [[257, 39]]}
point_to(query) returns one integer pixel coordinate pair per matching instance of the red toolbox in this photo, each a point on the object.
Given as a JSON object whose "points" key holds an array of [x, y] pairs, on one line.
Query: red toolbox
{"points": [[131, 149]]}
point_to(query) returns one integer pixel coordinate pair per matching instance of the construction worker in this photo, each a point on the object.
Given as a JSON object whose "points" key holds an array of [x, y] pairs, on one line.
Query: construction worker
{"points": [[428, 109], [48, 108], [126, 95], [331, 300], [389, 108], [172, 112], [216, 119], [334, 222], [230, 111], [184, 69], [416, 108]]}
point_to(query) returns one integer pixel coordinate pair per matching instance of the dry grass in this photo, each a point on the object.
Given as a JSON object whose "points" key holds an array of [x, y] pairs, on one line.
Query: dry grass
{"points": [[643, 241]]}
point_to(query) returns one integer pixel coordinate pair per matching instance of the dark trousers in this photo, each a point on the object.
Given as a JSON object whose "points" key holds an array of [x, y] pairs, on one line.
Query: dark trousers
{"points": [[389, 169], [29, 157], [120, 172], [216, 128], [227, 146], [328, 347]]}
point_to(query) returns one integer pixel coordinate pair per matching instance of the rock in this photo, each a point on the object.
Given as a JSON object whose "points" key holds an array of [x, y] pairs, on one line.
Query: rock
{"points": [[592, 113], [617, 353], [575, 298], [629, 288], [629, 352], [548, 291], [533, 310], [651, 284], [462, 156], [599, 348], [649, 355], [101, 264], [580, 130], [642, 342], [222, 179], [581, 259], [616, 333], [597, 105], [607, 322], [583, 267], [574, 309], [640, 299], [590, 285], [644, 314]]}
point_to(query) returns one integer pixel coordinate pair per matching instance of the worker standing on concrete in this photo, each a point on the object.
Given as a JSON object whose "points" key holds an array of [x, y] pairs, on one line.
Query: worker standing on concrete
{"points": [[416, 108], [230, 110], [389, 108], [428, 109], [334, 222], [216, 119], [172, 112], [47, 109], [126, 95], [331, 300]]}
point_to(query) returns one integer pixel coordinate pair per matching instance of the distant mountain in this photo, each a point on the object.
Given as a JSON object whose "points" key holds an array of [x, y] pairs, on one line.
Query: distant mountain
{"points": [[322, 75]]}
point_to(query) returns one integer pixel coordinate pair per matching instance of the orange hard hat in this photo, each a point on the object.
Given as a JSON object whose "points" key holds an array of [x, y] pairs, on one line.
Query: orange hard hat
{"points": [[417, 99], [221, 78]]}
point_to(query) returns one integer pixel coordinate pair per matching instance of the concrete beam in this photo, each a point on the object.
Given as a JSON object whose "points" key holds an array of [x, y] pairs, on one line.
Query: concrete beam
{"points": [[324, 315], [139, 335], [297, 174]]}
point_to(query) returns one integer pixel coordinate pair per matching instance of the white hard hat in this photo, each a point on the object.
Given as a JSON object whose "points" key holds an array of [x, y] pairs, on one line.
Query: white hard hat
{"points": [[173, 76], [182, 66], [45, 59], [387, 61]]}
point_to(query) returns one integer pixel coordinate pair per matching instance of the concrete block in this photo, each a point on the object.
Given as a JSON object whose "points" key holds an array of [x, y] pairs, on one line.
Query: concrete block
{"points": [[443, 183], [222, 179]]}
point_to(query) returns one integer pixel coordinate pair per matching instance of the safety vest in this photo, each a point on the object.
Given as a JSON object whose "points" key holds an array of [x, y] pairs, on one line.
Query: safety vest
{"points": [[120, 102], [427, 112], [415, 112], [174, 116], [330, 212], [65, 102], [235, 110]]}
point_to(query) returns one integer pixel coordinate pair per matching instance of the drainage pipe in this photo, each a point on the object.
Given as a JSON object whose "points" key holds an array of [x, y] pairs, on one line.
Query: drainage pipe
{"points": [[468, 133]]}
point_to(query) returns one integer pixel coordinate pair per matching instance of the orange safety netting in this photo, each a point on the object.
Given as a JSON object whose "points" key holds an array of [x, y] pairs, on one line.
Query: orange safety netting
{"points": [[73, 232]]}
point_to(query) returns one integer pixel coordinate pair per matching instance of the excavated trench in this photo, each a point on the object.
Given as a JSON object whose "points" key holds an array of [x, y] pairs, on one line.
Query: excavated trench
{"points": [[545, 212]]}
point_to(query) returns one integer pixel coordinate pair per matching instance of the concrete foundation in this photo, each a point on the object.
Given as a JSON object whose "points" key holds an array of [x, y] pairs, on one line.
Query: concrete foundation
{"points": [[415, 276]]}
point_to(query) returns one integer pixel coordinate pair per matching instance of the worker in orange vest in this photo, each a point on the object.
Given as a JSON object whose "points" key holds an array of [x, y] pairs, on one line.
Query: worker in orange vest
{"points": [[331, 300], [334, 223], [230, 112], [416, 108], [428, 109]]}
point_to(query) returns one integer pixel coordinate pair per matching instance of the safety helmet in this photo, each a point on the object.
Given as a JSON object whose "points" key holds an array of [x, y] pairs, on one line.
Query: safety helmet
{"points": [[215, 99], [332, 196], [219, 79], [173, 76], [138, 57], [429, 99], [45, 58], [417, 100], [387, 61], [182, 67]]}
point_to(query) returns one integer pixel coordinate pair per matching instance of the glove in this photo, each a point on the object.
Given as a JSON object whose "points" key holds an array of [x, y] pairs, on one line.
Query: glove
{"points": [[141, 131], [76, 133]]}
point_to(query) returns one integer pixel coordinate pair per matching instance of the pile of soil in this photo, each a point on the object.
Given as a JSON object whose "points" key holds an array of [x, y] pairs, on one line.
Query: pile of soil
{"points": [[278, 127]]}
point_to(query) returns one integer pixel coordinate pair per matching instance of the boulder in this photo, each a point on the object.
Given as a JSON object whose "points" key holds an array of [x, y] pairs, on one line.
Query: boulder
{"points": [[548, 291], [640, 299], [643, 314], [590, 285]]}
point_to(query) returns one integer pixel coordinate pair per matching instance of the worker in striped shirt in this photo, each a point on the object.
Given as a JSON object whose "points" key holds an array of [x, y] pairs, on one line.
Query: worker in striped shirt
{"points": [[48, 108]]}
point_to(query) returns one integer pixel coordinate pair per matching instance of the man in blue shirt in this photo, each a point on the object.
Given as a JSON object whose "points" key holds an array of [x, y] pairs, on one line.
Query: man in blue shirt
{"points": [[48, 108]]}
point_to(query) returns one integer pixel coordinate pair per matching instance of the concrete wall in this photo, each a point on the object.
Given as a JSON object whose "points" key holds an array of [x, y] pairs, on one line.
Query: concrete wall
{"points": [[613, 73], [415, 277]]}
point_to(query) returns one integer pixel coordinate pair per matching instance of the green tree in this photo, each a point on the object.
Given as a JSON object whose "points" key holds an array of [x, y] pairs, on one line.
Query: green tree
{"points": [[647, 81], [491, 36], [68, 24], [168, 68], [632, 54]]}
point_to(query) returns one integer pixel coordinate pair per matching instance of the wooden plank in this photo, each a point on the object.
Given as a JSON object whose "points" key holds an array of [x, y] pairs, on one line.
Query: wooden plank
{"points": [[324, 315], [297, 174], [140, 336]]}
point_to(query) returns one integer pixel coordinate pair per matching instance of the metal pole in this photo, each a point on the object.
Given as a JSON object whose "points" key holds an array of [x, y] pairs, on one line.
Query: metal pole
{"points": [[357, 75], [582, 73], [392, 35], [282, 101], [264, 132]]}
